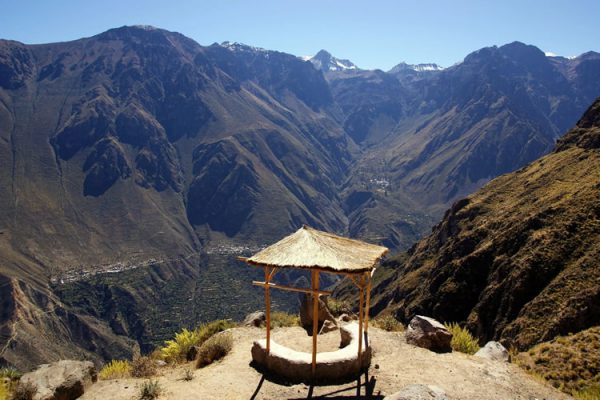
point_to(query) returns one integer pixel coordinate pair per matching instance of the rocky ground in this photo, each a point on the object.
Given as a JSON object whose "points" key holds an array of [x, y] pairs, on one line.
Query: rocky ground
{"points": [[395, 365]]}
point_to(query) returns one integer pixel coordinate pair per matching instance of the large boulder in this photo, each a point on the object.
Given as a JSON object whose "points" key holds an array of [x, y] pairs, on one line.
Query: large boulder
{"points": [[62, 380], [428, 333], [257, 319], [493, 351], [418, 392], [306, 313]]}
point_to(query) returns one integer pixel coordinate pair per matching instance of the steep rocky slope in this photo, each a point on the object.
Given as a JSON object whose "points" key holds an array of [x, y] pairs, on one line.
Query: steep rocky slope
{"points": [[131, 148], [518, 260]]}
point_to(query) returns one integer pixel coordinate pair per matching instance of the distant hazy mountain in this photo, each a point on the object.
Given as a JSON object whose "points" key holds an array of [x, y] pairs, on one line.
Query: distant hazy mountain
{"points": [[324, 61], [516, 261], [139, 149], [441, 136]]}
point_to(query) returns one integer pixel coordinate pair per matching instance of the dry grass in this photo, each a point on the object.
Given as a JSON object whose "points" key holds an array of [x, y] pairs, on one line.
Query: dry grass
{"points": [[339, 307], [115, 369], [24, 391], [590, 393], [143, 367], [150, 390], [569, 363], [280, 319], [188, 375], [388, 323], [214, 349], [462, 340]]}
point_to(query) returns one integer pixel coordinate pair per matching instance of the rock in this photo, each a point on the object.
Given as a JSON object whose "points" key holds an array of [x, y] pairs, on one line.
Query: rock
{"points": [[306, 313], [428, 333], [418, 392], [160, 363], [328, 326], [345, 318], [493, 351], [257, 318], [62, 380]]}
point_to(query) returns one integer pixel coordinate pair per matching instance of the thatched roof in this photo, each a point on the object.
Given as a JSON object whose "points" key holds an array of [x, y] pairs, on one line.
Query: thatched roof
{"points": [[309, 248]]}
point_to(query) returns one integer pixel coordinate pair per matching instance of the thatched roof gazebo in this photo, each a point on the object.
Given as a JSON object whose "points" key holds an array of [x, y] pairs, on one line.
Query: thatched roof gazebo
{"points": [[318, 252]]}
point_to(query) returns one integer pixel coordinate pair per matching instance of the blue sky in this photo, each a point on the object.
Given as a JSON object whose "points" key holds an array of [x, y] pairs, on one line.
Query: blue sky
{"points": [[373, 34]]}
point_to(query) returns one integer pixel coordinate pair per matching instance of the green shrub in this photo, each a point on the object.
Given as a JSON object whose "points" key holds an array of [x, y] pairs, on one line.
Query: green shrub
{"points": [[10, 373], [388, 323], [143, 367], [462, 340], [115, 369], [338, 307], [3, 390], [214, 349], [280, 319], [150, 390], [206, 331], [177, 349]]}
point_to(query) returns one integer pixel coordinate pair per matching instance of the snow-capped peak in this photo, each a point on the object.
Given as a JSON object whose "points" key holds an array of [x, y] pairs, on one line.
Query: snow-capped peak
{"points": [[428, 67], [326, 62], [236, 46]]}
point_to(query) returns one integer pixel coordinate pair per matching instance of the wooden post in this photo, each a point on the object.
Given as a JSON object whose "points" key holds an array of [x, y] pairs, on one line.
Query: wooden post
{"points": [[268, 307], [360, 320], [315, 295], [367, 308]]}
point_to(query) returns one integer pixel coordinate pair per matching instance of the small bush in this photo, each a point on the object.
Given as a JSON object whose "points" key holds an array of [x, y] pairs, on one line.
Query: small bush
{"points": [[150, 390], [143, 367], [115, 369], [10, 373], [176, 350], [3, 390], [462, 340], [214, 349], [280, 319], [24, 391], [338, 307], [388, 323], [188, 375], [206, 331]]}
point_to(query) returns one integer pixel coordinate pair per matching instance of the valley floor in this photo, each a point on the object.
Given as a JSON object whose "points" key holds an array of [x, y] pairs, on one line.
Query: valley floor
{"points": [[399, 364]]}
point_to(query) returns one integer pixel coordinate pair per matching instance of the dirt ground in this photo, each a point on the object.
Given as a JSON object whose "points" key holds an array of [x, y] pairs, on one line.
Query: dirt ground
{"points": [[395, 365]]}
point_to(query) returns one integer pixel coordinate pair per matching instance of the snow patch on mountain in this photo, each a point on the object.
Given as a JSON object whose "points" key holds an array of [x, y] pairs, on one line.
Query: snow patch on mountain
{"points": [[326, 62], [428, 67]]}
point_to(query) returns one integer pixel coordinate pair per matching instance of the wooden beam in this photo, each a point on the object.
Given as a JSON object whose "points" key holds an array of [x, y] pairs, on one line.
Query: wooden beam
{"points": [[315, 316], [291, 288]]}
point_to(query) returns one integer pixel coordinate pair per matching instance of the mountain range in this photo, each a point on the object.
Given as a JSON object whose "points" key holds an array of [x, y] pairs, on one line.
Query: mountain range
{"points": [[139, 151], [516, 261]]}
